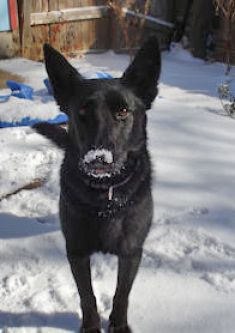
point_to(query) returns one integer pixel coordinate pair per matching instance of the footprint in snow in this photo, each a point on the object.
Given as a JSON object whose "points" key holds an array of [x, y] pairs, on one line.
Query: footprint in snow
{"points": [[224, 282], [14, 283], [182, 249]]}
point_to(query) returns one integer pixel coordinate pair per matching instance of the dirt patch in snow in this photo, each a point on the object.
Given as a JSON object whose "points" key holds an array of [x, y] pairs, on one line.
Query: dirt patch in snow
{"points": [[8, 76]]}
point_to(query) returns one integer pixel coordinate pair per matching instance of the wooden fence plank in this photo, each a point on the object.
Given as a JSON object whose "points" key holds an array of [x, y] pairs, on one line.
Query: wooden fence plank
{"points": [[36, 6], [26, 29], [68, 15], [40, 35], [54, 29], [45, 5], [62, 4], [74, 32], [53, 5], [63, 45], [55, 35], [71, 4]]}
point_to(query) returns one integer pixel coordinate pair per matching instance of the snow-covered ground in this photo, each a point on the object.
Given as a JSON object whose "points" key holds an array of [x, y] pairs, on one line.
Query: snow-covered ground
{"points": [[186, 283]]}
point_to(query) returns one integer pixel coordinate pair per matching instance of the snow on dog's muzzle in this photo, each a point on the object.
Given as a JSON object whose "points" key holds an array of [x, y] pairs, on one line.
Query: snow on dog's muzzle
{"points": [[92, 155], [98, 163]]}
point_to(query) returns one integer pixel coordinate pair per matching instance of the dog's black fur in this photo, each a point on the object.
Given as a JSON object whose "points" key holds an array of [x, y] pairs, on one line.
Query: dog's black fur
{"points": [[105, 205]]}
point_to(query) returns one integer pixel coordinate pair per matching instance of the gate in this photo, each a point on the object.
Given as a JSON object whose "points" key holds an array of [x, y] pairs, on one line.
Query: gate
{"points": [[68, 25]]}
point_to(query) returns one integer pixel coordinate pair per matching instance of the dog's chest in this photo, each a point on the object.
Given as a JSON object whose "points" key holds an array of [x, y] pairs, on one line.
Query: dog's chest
{"points": [[110, 234]]}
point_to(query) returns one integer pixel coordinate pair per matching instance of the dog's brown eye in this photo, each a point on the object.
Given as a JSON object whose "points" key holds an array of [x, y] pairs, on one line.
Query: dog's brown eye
{"points": [[122, 113], [82, 115], [82, 112]]}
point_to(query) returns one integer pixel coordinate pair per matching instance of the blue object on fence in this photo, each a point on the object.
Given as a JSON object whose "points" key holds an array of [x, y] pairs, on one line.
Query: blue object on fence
{"points": [[4, 16], [20, 90]]}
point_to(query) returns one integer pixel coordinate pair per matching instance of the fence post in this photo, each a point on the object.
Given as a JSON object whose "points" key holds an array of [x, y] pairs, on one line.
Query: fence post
{"points": [[26, 36]]}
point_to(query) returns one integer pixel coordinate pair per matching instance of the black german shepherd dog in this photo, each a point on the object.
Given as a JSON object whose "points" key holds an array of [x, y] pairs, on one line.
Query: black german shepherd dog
{"points": [[105, 201]]}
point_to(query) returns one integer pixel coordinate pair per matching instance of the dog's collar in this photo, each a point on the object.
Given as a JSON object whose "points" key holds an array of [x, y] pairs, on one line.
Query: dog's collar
{"points": [[111, 199], [110, 186], [115, 186], [117, 202]]}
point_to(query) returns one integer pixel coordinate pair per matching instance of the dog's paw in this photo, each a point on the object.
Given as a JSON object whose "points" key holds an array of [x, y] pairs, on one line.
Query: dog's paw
{"points": [[120, 329]]}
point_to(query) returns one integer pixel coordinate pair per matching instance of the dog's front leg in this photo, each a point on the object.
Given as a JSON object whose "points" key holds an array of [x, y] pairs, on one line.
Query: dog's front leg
{"points": [[127, 270], [81, 270]]}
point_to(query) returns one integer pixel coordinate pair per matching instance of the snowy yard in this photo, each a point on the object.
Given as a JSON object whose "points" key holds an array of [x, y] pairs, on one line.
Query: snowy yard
{"points": [[186, 283]]}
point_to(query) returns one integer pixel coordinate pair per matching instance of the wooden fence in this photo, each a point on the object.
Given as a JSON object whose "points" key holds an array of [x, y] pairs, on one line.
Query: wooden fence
{"points": [[68, 25], [72, 26]]}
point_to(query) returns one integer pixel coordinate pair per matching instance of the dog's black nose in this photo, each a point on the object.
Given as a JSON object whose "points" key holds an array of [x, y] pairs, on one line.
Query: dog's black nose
{"points": [[100, 159], [101, 156]]}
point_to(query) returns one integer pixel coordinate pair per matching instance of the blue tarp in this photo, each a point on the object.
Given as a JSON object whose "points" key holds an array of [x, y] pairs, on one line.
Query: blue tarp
{"points": [[24, 91], [21, 90], [27, 121]]}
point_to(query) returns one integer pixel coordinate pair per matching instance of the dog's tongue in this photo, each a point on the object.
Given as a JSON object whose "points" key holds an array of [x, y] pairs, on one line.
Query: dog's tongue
{"points": [[99, 163], [99, 171]]}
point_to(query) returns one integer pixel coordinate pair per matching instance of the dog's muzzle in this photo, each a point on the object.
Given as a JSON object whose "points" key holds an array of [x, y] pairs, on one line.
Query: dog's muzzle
{"points": [[98, 163]]}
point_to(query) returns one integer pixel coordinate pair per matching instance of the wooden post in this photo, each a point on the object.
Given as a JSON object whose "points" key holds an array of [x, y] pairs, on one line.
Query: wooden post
{"points": [[26, 28]]}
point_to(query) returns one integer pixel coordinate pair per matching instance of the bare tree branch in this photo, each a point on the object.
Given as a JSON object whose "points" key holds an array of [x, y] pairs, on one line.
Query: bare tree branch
{"points": [[36, 183]]}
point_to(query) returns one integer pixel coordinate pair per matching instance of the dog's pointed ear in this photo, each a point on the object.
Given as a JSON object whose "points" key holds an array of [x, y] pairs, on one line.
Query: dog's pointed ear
{"points": [[54, 133], [143, 73], [63, 76]]}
